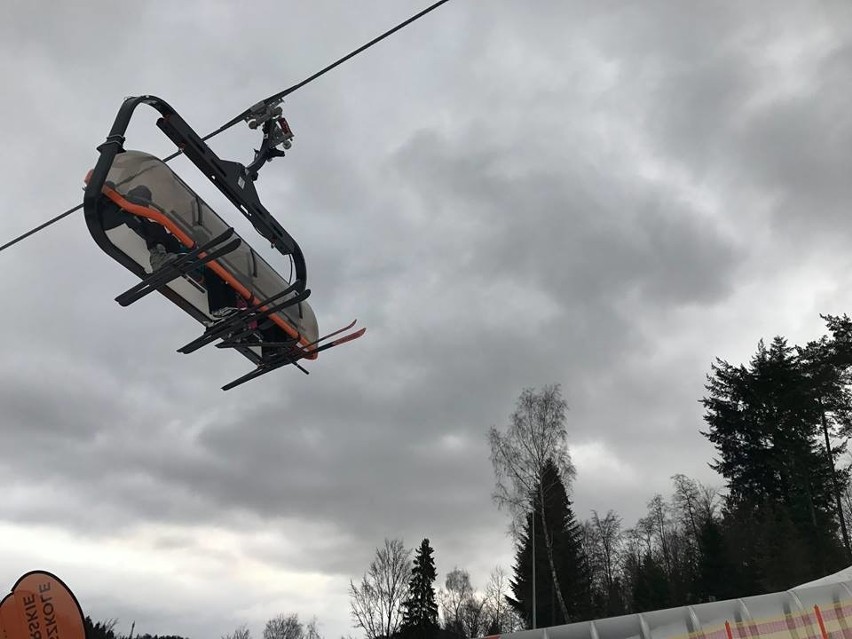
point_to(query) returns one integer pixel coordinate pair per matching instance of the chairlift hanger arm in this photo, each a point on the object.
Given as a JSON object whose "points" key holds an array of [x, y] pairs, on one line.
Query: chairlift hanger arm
{"points": [[231, 178]]}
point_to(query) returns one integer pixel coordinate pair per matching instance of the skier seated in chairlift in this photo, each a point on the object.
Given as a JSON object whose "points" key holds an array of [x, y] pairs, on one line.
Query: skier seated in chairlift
{"points": [[164, 248]]}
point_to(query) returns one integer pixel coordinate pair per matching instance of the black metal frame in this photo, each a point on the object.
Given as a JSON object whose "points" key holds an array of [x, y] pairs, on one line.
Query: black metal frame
{"points": [[231, 178]]}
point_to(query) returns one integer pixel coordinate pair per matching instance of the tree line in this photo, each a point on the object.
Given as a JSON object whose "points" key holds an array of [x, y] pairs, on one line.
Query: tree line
{"points": [[779, 425], [397, 598]]}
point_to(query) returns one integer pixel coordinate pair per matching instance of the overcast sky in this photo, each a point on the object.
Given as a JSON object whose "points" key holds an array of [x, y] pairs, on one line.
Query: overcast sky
{"points": [[605, 195]]}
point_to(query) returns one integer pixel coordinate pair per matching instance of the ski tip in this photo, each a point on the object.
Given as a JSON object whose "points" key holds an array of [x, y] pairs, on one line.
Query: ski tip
{"points": [[350, 337]]}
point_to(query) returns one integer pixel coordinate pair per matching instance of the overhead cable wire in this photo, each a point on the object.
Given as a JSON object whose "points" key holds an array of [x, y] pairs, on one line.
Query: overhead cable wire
{"points": [[281, 94], [245, 114], [40, 227]]}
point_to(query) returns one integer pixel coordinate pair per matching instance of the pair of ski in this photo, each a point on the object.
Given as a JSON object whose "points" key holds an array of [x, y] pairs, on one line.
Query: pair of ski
{"points": [[234, 329], [181, 266], [238, 329], [293, 354], [243, 323]]}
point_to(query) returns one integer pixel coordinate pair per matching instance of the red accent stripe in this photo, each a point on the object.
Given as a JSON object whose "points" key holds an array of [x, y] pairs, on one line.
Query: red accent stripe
{"points": [[820, 622]]}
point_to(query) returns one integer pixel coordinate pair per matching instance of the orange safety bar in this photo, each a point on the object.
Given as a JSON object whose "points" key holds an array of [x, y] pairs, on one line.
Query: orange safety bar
{"points": [[160, 218]]}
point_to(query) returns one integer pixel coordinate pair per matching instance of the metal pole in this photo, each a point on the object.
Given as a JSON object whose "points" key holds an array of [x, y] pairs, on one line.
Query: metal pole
{"points": [[533, 570]]}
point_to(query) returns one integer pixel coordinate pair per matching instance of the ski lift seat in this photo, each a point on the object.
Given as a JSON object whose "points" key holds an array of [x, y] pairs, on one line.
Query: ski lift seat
{"points": [[193, 223]]}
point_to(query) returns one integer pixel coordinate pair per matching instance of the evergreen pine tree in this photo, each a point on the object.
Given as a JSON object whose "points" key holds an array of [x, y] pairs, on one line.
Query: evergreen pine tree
{"points": [[826, 366], [713, 580], [764, 420], [521, 582], [572, 567], [651, 588], [420, 615], [99, 630]]}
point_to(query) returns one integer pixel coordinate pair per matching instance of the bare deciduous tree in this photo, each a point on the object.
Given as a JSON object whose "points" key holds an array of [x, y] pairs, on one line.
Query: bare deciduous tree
{"points": [[242, 632], [376, 602], [536, 436], [606, 545], [284, 627], [644, 532], [500, 616], [685, 503], [708, 501], [311, 630], [658, 512], [464, 611], [474, 619], [452, 597]]}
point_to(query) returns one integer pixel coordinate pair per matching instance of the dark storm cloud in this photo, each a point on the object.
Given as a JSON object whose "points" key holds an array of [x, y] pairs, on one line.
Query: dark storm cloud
{"points": [[578, 233]]}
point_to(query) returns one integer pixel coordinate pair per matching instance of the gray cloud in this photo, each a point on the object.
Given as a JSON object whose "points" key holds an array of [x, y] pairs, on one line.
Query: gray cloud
{"points": [[589, 194]]}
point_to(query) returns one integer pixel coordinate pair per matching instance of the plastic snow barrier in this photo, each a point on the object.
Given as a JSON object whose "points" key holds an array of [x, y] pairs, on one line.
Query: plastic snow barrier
{"points": [[818, 610]]}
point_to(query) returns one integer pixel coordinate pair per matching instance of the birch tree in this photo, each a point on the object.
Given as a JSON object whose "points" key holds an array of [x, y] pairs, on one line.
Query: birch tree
{"points": [[536, 436]]}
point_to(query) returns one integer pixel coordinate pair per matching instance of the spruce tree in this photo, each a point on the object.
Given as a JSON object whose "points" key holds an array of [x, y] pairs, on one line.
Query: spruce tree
{"points": [[535, 438], [714, 571], [420, 611], [572, 567], [521, 583], [651, 587], [826, 366], [764, 420], [99, 630]]}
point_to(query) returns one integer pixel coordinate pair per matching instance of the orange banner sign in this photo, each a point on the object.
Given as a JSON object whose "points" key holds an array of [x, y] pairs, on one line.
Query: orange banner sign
{"points": [[41, 607]]}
